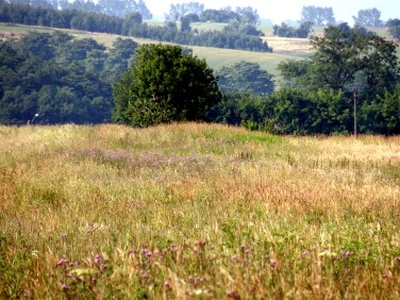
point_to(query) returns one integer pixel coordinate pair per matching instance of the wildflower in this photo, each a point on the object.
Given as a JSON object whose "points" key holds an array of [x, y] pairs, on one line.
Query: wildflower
{"points": [[234, 257], [273, 263], [232, 294], [397, 259], [346, 253], [103, 266], [64, 287], [62, 261], [167, 283], [97, 259]]}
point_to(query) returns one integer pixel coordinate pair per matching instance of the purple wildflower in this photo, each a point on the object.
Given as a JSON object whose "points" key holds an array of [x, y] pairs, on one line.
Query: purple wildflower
{"points": [[234, 257], [232, 294], [97, 259], [62, 261]]}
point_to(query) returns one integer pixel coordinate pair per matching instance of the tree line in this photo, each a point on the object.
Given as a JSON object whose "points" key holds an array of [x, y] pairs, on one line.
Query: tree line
{"points": [[64, 79], [324, 16], [349, 85], [118, 8], [132, 25], [61, 78]]}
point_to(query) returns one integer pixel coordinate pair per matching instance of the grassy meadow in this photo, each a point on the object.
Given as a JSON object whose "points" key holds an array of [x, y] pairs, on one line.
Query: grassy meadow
{"points": [[197, 211]]}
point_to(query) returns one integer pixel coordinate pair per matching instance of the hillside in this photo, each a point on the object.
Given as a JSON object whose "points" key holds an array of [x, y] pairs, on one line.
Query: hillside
{"points": [[283, 48], [196, 211]]}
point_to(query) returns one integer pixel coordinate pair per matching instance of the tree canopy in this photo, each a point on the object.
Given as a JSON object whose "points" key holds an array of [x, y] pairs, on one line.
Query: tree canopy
{"points": [[318, 15], [345, 57], [245, 77], [285, 30], [164, 84], [356, 63], [368, 17], [61, 78]]}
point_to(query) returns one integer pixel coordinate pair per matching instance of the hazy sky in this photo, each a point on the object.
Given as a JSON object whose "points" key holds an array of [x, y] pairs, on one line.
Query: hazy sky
{"points": [[280, 10]]}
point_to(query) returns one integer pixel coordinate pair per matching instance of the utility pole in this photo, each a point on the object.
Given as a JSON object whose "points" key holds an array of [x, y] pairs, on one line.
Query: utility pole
{"points": [[355, 109]]}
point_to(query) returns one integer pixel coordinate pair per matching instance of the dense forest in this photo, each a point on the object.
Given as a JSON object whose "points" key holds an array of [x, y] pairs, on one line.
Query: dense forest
{"points": [[61, 78]]}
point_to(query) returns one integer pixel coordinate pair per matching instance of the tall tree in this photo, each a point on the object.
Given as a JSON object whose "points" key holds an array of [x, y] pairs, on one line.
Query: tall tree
{"points": [[179, 10], [318, 15], [248, 15], [164, 85], [368, 17], [346, 57]]}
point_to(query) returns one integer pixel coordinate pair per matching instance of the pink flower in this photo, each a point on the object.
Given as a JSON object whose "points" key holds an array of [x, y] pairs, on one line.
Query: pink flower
{"points": [[232, 294], [64, 287], [167, 283], [97, 259], [62, 261]]}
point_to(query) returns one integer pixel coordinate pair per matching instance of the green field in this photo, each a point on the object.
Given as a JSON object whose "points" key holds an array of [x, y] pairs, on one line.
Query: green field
{"points": [[197, 211]]}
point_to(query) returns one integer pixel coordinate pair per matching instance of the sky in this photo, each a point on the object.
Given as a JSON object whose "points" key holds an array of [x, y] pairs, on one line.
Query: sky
{"points": [[281, 10]]}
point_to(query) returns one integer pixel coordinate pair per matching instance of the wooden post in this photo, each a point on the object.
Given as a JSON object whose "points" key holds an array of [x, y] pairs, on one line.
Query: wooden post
{"points": [[355, 110]]}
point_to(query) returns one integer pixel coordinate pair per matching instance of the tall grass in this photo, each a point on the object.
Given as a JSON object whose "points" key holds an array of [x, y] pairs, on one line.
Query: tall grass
{"points": [[196, 211]]}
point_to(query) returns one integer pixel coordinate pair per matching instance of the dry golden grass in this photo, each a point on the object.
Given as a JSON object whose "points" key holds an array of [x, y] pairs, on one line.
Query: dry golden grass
{"points": [[197, 211]]}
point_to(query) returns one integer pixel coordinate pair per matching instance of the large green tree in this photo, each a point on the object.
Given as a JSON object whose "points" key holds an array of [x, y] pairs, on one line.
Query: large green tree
{"points": [[164, 84], [245, 77], [345, 58], [358, 63], [318, 15], [368, 17]]}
